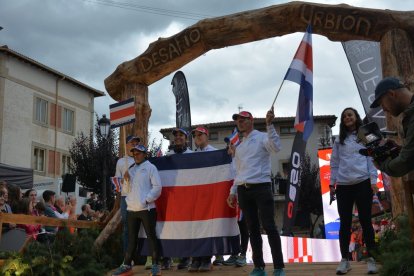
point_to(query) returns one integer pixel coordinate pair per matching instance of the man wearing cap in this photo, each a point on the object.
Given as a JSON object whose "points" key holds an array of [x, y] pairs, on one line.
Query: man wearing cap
{"points": [[121, 167], [395, 98], [179, 147], [200, 135], [145, 189], [180, 142], [252, 184]]}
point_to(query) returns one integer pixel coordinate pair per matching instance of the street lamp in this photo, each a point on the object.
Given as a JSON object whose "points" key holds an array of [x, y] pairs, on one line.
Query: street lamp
{"points": [[104, 125]]}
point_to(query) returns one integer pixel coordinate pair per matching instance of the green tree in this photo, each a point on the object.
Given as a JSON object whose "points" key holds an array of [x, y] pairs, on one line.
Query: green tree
{"points": [[310, 199], [89, 156]]}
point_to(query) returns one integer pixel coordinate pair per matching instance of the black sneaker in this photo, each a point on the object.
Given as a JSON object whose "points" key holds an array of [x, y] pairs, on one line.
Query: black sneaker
{"points": [[194, 266], [204, 267], [184, 263], [219, 260], [166, 263]]}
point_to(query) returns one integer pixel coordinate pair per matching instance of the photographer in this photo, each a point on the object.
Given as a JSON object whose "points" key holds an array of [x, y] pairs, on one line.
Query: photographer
{"points": [[395, 98]]}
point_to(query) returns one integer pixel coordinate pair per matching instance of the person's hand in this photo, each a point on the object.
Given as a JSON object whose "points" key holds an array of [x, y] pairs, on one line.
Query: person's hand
{"points": [[270, 116], [126, 176], [332, 190], [374, 188], [231, 150], [232, 201]]}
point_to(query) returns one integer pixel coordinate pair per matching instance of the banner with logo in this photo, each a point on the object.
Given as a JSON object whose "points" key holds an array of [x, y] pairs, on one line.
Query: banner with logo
{"points": [[182, 102], [364, 58]]}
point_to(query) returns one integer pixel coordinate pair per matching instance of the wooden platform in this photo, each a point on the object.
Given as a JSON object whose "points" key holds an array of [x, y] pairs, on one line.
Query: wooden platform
{"points": [[303, 269]]}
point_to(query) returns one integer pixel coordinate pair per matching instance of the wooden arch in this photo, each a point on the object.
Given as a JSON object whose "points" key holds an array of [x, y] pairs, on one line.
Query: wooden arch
{"points": [[393, 29]]}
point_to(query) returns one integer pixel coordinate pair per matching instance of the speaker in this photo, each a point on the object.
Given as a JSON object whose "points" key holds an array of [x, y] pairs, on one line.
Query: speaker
{"points": [[69, 181]]}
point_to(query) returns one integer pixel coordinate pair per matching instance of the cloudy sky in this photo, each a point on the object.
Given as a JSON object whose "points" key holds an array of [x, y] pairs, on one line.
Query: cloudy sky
{"points": [[88, 39]]}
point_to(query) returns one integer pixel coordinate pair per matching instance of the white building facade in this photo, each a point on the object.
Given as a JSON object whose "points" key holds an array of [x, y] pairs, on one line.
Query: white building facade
{"points": [[41, 112]]}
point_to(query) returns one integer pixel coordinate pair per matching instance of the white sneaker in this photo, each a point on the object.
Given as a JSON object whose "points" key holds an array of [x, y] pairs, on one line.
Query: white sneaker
{"points": [[372, 267], [343, 267]]}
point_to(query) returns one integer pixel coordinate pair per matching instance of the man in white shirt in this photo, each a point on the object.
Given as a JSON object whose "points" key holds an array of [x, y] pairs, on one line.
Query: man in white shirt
{"points": [[252, 183], [180, 142], [200, 135], [121, 167], [145, 190], [179, 147]]}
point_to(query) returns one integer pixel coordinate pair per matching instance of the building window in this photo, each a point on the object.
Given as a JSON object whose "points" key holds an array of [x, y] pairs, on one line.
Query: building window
{"points": [[213, 136], [39, 156], [68, 120], [41, 110], [287, 130], [65, 164]]}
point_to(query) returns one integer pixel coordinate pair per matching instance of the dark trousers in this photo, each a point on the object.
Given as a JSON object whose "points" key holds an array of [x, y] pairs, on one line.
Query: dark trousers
{"points": [[149, 221], [257, 202], [244, 235], [346, 195]]}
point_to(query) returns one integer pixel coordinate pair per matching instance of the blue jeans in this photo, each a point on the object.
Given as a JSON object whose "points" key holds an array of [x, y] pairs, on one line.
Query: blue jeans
{"points": [[124, 224]]}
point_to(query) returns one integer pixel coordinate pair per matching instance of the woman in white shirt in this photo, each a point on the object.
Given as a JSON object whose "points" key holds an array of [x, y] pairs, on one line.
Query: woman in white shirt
{"points": [[353, 180]]}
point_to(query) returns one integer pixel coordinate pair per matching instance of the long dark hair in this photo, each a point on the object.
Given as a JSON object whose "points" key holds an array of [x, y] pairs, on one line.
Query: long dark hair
{"points": [[342, 128]]}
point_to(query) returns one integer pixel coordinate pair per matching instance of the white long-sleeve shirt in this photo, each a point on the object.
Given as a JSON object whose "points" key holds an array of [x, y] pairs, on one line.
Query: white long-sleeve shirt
{"points": [[206, 148], [145, 187], [252, 158], [348, 166], [121, 168]]}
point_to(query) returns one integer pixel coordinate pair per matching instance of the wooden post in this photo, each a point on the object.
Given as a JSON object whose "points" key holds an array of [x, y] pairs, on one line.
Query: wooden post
{"points": [[140, 129], [142, 113], [397, 53]]}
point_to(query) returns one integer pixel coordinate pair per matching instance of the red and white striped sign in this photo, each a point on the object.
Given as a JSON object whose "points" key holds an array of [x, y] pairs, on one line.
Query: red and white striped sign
{"points": [[122, 113]]}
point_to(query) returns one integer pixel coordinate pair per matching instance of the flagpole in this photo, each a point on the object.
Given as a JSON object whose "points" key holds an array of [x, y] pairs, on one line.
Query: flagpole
{"points": [[278, 91], [126, 183]]}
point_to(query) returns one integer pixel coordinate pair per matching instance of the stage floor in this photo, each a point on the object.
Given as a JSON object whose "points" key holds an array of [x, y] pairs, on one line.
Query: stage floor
{"points": [[296, 269]]}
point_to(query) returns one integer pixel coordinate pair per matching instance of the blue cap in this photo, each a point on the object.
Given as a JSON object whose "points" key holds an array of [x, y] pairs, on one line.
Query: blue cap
{"points": [[140, 148], [132, 137], [183, 131], [386, 84]]}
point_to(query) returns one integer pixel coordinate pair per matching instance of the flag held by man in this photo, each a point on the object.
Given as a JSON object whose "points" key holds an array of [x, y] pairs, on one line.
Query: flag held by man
{"points": [[301, 72]]}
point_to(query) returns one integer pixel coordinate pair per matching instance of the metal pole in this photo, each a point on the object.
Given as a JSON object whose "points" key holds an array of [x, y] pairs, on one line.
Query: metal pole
{"points": [[104, 175]]}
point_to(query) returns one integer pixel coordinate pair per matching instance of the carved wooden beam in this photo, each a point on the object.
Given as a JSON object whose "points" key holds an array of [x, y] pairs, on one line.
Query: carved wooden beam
{"points": [[336, 22]]}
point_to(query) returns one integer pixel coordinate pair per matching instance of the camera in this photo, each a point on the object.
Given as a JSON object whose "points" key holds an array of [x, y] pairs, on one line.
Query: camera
{"points": [[371, 137]]}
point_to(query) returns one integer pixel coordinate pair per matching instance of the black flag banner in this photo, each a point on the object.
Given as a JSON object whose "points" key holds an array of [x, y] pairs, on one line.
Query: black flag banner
{"points": [[364, 57], [182, 102]]}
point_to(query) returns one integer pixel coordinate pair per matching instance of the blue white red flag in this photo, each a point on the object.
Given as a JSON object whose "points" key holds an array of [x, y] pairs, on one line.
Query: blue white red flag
{"points": [[233, 138], [122, 113], [193, 218], [159, 152], [116, 184], [301, 72]]}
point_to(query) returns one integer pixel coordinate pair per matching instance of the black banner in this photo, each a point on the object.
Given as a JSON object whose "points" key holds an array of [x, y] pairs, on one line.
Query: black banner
{"points": [[182, 102], [294, 183], [364, 58]]}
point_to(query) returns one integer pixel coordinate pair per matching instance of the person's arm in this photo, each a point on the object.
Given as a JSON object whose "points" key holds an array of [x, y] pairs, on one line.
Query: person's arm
{"points": [[272, 143], [118, 172], [404, 162], [156, 189], [334, 163], [373, 173]]}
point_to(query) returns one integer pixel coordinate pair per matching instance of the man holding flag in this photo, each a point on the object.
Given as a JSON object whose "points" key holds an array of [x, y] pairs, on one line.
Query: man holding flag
{"points": [[252, 184], [121, 167]]}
